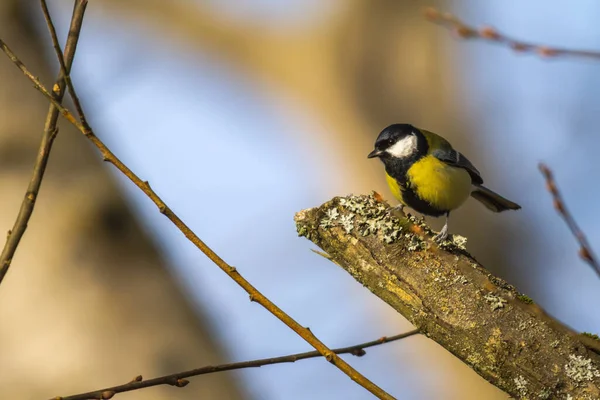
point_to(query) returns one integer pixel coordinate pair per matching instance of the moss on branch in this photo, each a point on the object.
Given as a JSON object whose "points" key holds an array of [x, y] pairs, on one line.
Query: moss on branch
{"points": [[451, 298]]}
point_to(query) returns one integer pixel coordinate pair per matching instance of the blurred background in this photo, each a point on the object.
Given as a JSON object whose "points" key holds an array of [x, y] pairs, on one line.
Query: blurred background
{"points": [[241, 113]]}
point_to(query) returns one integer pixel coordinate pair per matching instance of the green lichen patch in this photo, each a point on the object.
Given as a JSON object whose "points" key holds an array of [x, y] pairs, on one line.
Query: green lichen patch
{"points": [[303, 225], [302, 230], [581, 369], [452, 242], [458, 241], [460, 279], [525, 324], [521, 385], [496, 302], [415, 243], [501, 283], [366, 215], [363, 215], [545, 394], [591, 335], [524, 298]]}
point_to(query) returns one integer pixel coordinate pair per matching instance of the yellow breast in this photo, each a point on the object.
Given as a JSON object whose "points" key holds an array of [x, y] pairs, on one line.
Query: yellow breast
{"points": [[441, 185], [395, 188]]}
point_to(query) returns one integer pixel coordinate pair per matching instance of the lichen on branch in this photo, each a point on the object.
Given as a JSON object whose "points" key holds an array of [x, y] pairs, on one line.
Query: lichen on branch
{"points": [[451, 298]]}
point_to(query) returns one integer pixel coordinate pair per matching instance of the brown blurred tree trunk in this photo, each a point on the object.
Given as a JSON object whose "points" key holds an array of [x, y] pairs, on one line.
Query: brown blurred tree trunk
{"points": [[88, 301]]}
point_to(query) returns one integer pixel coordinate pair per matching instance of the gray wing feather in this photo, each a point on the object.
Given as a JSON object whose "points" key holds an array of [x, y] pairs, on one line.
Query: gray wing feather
{"points": [[454, 158]]}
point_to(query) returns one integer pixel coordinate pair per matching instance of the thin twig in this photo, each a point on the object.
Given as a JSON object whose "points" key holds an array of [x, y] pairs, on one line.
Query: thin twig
{"points": [[179, 380], [490, 34], [50, 131], [585, 250], [59, 54], [231, 271]]}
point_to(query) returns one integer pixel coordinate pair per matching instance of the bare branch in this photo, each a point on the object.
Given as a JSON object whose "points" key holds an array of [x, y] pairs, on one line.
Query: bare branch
{"points": [[50, 132], [231, 271], [60, 56], [490, 34], [178, 379], [585, 250], [452, 299]]}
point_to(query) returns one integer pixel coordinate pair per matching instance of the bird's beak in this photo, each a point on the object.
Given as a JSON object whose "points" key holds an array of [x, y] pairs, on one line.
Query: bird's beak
{"points": [[374, 153]]}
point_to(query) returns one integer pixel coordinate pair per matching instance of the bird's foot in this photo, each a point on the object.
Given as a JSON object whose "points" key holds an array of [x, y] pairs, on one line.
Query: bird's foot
{"points": [[442, 235], [397, 211]]}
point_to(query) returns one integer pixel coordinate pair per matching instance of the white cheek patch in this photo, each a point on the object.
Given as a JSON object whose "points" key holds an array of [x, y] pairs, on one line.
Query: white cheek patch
{"points": [[404, 147]]}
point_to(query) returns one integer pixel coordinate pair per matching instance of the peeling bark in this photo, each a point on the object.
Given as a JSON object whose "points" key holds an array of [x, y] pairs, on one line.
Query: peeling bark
{"points": [[451, 298]]}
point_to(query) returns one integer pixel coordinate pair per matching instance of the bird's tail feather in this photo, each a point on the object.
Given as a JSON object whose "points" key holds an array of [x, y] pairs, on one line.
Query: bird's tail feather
{"points": [[493, 200]]}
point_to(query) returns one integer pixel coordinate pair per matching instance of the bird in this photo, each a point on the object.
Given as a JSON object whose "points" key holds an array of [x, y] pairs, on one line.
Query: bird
{"points": [[426, 174]]}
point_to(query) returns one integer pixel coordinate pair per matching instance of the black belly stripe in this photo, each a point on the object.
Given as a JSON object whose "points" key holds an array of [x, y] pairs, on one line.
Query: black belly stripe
{"points": [[419, 205], [398, 169]]}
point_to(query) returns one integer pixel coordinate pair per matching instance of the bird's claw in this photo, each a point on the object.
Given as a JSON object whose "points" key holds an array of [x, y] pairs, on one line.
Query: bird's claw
{"points": [[397, 211], [442, 235]]}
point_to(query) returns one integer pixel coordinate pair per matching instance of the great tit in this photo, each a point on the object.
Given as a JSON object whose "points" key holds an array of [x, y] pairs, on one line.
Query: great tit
{"points": [[426, 174]]}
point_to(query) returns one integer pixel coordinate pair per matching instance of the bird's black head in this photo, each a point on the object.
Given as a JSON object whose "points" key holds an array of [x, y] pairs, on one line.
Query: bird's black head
{"points": [[399, 141]]}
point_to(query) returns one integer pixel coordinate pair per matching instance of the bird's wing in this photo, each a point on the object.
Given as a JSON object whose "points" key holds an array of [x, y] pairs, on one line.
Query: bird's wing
{"points": [[454, 158], [442, 150]]}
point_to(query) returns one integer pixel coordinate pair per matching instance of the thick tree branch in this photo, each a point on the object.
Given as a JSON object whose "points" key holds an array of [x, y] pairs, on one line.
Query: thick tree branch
{"points": [[490, 34], [451, 298], [231, 271], [50, 131], [178, 379]]}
